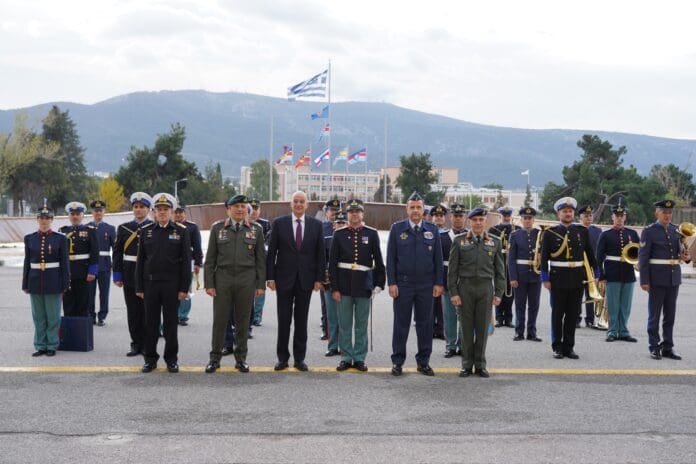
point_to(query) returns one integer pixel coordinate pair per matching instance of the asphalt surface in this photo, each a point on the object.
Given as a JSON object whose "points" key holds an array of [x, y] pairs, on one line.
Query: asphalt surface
{"points": [[614, 404]]}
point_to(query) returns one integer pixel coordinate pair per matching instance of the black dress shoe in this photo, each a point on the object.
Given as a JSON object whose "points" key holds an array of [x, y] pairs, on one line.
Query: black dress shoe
{"points": [[301, 366], [343, 366], [330, 353], [589, 324], [134, 352], [465, 372], [361, 366], [665, 354], [425, 370], [482, 372], [656, 354], [241, 366], [572, 355], [534, 339], [323, 337], [498, 324], [628, 338], [149, 367], [439, 336], [611, 338], [578, 325], [53, 353], [36, 354], [517, 338], [173, 368], [450, 353], [101, 323], [212, 367], [279, 366], [557, 355], [396, 370], [459, 351], [182, 322], [226, 351], [94, 322], [256, 323]]}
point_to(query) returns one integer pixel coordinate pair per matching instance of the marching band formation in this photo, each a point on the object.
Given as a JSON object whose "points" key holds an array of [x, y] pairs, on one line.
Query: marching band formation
{"points": [[455, 283]]}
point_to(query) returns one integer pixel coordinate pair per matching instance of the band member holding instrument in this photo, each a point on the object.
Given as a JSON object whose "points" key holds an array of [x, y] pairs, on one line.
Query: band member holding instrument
{"points": [[524, 245], [617, 252], [503, 311], [586, 217], [660, 276], [566, 255]]}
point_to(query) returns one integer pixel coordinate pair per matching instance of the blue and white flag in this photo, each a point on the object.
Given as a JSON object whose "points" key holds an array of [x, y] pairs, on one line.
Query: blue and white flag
{"points": [[313, 87], [323, 157], [323, 115]]}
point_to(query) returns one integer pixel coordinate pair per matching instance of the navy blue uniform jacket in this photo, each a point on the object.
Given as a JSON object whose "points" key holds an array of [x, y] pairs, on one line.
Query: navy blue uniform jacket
{"points": [[414, 260]]}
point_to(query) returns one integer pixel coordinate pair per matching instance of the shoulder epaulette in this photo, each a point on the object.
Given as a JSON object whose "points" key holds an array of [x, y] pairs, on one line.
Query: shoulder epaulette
{"points": [[90, 226], [220, 221], [370, 228], [149, 224], [180, 225]]}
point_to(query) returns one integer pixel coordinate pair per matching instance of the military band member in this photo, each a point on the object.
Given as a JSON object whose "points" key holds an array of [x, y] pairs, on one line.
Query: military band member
{"points": [[340, 221], [563, 249], [660, 275], [356, 272], [83, 252], [452, 326], [106, 237], [618, 275], [162, 279], [503, 231], [196, 254], [124, 257], [259, 301], [331, 207], [476, 280], [438, 216], [415, 277], [235, 273], [46, 276], [586, 217], [523, 279]]}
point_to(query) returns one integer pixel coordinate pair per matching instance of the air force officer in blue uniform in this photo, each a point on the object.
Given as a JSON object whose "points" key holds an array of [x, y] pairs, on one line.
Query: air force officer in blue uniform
{"points": [[415, 276]]}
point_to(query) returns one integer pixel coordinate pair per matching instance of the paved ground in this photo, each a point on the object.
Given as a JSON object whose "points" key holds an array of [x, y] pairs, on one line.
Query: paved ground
{"points": [[615, 404]]}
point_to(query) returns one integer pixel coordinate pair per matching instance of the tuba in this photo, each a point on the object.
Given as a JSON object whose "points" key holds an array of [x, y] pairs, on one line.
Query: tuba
{"points": [[536, 262], [686, 229], [629, 253]]}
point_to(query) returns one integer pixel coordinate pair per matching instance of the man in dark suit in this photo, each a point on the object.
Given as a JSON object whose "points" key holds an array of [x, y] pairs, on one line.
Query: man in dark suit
{"points": [[295, 266]]}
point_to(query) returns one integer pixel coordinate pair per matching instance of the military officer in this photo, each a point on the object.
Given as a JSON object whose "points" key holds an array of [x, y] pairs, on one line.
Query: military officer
{"points": [[618, 275], [563, 250], [586, 217], [438, 215], [196, 254], [415, 277], [235, 272], [340, 221], [452, 327], [331, 207], [106, 237], [125, 256], [660, 275], [45, 278], [503, 231], [356, 273], [257, 314], [523, 279], [84, 260], [162, 279], [476, 279]]}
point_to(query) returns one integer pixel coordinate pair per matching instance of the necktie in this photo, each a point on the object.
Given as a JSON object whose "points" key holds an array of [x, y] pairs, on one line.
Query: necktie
{"points": [[416, 229], [236, 227], [478, 239], [298, 234]]}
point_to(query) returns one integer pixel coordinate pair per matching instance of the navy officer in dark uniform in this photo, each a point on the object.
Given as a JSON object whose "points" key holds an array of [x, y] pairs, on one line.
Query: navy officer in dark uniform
{"points": [[438, 217], [503, 231], [523, 278], [331, 207], [196, 254], [255, 216], [563, 250], [415, 276], [660, 275], [84, 260], [586, 217], [106, 237]]}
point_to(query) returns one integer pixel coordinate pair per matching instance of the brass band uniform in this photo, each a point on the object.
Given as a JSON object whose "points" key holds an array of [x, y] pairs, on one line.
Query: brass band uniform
{"points": [[503, 231]]}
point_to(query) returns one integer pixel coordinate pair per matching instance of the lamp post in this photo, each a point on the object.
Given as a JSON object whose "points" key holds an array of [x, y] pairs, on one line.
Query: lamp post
{"points": [[176, 187]]}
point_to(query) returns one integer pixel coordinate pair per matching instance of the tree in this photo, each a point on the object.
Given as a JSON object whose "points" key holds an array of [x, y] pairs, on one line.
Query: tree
{"points": [[470, 201], [500, 200], [528, 196], [677, 183], [493, 186], [111, 192], [379, 193], [258, 184], [417, 175], [211, 188]]}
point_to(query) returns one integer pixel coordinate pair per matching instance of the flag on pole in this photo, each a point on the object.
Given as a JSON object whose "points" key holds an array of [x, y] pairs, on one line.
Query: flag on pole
{"points": [[360, 155], [305, 158], [286, 157], [525, 173], [323, 115], [323, 157], [313, 87], [342, 156], [324, 131]]}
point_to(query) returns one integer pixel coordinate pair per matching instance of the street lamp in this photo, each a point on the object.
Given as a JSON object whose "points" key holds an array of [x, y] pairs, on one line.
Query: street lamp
{"points": [[176, 187]]}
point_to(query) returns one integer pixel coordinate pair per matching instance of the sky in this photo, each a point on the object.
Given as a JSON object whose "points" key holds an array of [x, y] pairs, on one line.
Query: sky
{"points": [[626, 66]]}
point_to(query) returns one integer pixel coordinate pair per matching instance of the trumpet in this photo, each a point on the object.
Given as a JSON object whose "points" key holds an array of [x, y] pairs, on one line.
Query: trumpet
{"points": [[686, 229], [629, 253]]}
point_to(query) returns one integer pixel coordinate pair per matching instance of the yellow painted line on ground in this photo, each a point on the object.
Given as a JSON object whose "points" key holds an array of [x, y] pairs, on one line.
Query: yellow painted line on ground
{"points": [[326, 369]]}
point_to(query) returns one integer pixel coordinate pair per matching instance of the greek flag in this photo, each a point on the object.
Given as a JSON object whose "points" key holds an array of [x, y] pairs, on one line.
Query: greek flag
{"points": [[313, 87]]}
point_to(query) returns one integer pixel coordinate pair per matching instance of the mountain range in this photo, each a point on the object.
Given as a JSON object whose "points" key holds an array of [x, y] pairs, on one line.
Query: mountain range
{"points": [[234, 129]]}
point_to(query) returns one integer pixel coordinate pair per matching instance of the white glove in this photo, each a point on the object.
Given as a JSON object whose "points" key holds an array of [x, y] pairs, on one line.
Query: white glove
{"points": [[376, 291]]}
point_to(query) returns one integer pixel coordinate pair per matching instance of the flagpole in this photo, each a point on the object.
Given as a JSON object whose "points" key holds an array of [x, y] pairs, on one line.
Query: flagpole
{"points": [[328, 140], [384, 185], [270, 164], [365, 181]]}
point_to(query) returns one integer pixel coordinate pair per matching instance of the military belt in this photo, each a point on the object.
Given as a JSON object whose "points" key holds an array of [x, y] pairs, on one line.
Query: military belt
{"points": [[445, 263], [670, 262], [570, 264], [614, 258], [79, 257], [524, 261], [354, 267], [104, 253], [132, 258], [44, 266]]}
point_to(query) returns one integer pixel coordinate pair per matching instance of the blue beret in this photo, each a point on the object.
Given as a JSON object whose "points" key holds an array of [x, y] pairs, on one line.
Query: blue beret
{"points": [[477, 212]]}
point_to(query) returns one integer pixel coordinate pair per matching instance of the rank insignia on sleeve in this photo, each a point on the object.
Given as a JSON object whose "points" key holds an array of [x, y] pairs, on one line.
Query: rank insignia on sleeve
{"points": [[403, 236]]}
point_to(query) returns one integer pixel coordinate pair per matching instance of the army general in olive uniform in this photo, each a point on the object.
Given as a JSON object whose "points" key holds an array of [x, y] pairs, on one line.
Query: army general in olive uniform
{"points": [[235, 273], [476, 280]]}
